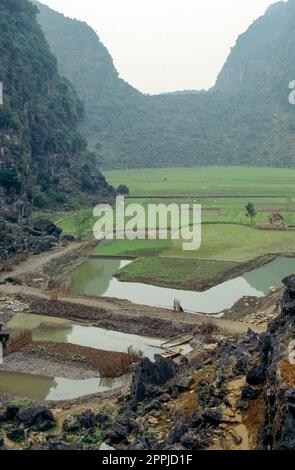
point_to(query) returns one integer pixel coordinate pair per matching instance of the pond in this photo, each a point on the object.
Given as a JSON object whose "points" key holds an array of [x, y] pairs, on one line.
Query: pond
{"points": [[54, 389], [95, 277], [46, 328], [53, 329]]}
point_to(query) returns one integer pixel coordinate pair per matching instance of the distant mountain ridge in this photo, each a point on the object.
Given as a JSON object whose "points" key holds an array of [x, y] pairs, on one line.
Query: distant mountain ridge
{"points": [[244, 119]]}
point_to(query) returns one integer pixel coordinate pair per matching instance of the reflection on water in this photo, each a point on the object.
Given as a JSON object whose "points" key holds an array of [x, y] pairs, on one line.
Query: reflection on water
{"points": [[47, 329], [271, 274], [95, 278], [45, 388]]}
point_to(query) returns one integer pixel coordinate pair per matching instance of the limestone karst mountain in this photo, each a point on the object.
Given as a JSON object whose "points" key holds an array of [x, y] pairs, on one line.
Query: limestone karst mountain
{"points": [[245, 118], [43, 158]]}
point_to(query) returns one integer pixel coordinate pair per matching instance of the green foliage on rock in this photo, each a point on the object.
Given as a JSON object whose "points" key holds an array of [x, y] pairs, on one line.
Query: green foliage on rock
{"points": [[40, 116]]}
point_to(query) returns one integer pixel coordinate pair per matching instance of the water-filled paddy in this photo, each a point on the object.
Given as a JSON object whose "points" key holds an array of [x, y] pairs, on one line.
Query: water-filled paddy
{"points": [[45, 388], [53, 329], [95, 277]]}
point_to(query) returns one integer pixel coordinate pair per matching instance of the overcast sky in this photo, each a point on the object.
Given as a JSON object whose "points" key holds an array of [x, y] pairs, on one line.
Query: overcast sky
{"points": [[166, 45]]}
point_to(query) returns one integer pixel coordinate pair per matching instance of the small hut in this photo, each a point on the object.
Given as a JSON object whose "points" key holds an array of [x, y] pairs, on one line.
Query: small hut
{"points": [[276, 220]]}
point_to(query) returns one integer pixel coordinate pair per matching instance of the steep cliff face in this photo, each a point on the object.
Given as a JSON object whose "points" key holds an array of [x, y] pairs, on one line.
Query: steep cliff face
{"points": [[255, 84], [278, 367], [261, 60], [43, 159], [245, 119]]}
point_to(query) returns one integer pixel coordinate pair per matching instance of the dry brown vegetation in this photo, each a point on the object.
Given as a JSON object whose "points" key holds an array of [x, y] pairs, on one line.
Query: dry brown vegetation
{"points": [[107, 363]]}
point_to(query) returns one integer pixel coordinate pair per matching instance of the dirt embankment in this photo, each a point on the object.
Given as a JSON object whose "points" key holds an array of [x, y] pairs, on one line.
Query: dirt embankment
{"points": [[256, 311], [106, 363], [38, 264], [47, 366], [107, 313]]}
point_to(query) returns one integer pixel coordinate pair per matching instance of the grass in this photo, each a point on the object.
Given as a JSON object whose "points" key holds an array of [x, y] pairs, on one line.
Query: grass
{"points": [[237, 243], [205, 181], [77, 357], [223, 247], [216, 210], [227, 236], [220, 242], [181, 273], [20, 403], [132, 248], [93, 438]]}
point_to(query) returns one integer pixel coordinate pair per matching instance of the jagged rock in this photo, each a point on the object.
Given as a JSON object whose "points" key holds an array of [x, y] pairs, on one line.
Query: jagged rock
{"points": [[59, 444], [250, 393], [33, 233], [116, 434], [68, 238], [156, 403], [184, 383], [286, 440], [125, 418], [289, 282], [47, 226], [87, 419], [10, 215], [237, 439], [193, 421], [13, 281], [241, 366], [9, 414], [195, 441], [103, 420], [212, 416], [148, 374], [104, 446], [44, 245], [256, 376], [71, 424], [143, 443], [183, 361], [153, 405], [40, 417], [207, 361], [16, 435], [243, 405]]}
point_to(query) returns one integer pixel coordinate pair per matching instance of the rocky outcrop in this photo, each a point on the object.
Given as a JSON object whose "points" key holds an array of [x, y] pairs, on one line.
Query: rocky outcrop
{"points": [[149, 376], [17, 422], [278, 431], [244, 382], [39, 417], [21, 239], [46, 227]]}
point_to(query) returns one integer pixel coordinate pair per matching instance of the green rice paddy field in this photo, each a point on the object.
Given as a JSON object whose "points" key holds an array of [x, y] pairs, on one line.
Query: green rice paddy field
{"points": [[227, 236]]}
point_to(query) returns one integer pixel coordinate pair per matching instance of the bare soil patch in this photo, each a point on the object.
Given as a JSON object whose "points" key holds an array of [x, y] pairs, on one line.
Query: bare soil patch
{"points": [[107, 363]]}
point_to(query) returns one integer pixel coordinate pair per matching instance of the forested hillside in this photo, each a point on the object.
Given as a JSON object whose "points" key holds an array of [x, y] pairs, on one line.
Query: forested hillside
{"points": [[83, 59], [245, 119], [43, 159]]}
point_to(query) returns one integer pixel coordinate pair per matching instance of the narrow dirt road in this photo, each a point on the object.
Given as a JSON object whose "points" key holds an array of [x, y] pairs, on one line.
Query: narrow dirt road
{"points": [[126, 309], [36, 263]]}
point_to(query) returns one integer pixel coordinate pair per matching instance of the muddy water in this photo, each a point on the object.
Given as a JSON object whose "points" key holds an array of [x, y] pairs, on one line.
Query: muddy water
{"points": [[44, 388], [95, 278], [58, 330], [53, 329]]}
